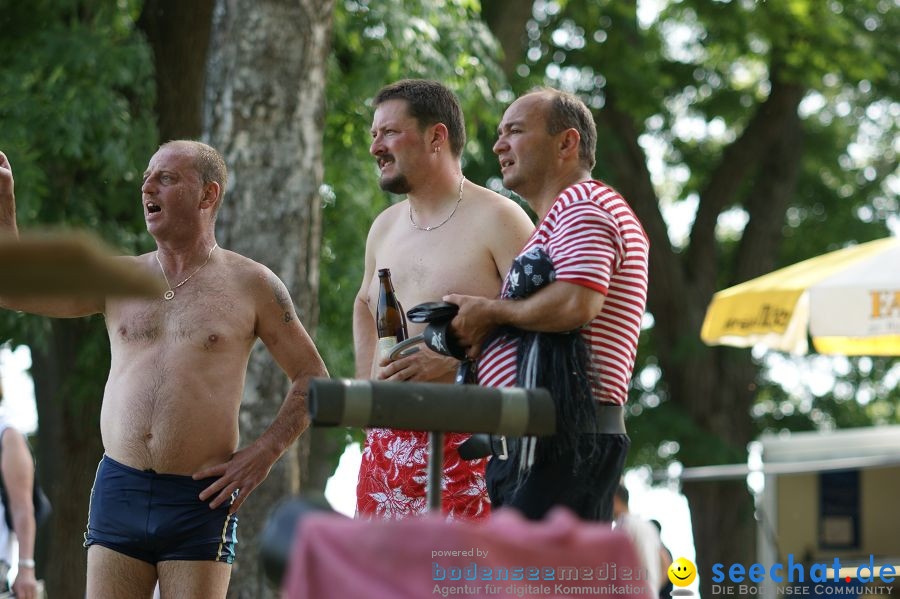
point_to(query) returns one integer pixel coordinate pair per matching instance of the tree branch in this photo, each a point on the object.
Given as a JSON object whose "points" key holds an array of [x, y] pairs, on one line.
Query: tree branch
{"points": [[179, 33], [767, 201], [507, 19], [737, 161], [629, 162]]}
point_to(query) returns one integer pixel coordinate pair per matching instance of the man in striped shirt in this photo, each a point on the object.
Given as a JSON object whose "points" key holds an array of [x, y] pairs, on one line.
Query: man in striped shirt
{"points": [[546, 146]]}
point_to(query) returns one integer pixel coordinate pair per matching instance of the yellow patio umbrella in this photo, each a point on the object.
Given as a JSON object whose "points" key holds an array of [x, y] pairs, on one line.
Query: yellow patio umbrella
{"points": [[848, 301]]}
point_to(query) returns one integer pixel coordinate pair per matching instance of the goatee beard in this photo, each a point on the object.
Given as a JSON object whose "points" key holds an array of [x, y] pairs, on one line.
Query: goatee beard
{"points": [[398, 185]]}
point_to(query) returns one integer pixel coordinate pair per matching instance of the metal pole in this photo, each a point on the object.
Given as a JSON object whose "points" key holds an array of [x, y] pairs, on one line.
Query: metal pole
{"points": [[435, 470], [431, 407]]}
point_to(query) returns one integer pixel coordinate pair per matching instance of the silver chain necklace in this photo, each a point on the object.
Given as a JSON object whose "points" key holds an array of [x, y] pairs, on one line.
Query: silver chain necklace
{"points": [[446, 220], [171, 292]]}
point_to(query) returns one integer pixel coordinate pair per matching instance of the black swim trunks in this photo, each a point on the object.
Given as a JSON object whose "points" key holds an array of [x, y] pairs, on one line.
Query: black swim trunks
{"points": [[157, 517]]}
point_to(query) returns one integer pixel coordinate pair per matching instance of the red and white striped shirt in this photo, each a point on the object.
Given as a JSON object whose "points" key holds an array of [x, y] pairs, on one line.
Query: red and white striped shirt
{"points": [[593, 239]]}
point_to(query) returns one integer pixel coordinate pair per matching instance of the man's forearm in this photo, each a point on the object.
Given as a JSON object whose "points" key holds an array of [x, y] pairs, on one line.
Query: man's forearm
{"points": [[51, 308], [290, 422], [7, 199], [24, 527], [8, 219], [364, 336], [558, 307]]}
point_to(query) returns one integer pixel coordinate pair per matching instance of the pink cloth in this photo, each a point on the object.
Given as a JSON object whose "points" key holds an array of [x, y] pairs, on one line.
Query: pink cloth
{"points": [[337, 558]]}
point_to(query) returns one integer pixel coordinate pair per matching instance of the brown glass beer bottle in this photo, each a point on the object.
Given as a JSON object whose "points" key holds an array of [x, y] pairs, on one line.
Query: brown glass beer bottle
{"points": [[389, 317]]}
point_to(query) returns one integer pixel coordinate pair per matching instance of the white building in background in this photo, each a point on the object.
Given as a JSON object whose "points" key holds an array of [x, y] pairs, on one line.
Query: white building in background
{"points": [[820, 496]]}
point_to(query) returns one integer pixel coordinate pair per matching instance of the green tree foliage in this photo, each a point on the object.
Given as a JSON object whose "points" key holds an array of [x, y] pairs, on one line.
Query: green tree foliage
{"points": [[76, 97], [768, 127], [851, 392], [691, 78], [76, 108], [746, 135], [375, 43]]}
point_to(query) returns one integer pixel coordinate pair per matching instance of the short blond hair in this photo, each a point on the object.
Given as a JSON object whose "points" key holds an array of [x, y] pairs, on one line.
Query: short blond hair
{"points": [[208, 162]]}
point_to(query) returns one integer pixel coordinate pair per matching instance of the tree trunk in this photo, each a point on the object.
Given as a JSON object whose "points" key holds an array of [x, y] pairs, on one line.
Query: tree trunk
{"points": [[713, 386], [265, 112], [506, 19], [723, 526], [178, 32], [70, 447]]}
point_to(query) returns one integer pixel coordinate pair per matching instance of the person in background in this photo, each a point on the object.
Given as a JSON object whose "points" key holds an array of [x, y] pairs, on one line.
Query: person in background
{"points": [[17, 469], [665, 560], [644, 536]]}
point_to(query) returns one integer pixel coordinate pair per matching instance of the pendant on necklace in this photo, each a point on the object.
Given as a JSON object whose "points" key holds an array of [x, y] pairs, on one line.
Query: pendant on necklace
{"points": [[168, 295]]}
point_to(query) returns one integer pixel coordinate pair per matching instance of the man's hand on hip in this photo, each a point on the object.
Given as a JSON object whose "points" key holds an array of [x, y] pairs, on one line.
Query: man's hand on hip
{"points": [[244, 472]]}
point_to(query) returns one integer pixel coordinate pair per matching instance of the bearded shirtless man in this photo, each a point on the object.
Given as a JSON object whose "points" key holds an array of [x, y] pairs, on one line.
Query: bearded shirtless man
{"points": [[448, 234], [167, 489]]}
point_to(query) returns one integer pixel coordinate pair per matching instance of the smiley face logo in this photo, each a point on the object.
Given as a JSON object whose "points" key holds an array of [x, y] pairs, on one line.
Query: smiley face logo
{"points": [[682, 572]]}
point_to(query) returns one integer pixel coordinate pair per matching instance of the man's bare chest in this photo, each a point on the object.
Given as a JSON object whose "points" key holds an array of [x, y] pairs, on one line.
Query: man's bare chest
{"points": [[207, 322], [425, 266]]}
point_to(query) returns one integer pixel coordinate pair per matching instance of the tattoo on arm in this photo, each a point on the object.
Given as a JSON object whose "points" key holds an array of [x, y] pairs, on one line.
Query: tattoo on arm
{"points": [[283, 299]]}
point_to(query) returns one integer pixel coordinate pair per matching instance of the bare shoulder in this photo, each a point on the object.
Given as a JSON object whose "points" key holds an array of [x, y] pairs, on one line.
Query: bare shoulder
{"points": [[11, 436], [13, 442], [502, 224], [266, 293], [145, 264], [249, 274], [146, 261], [491, 205], [387, 219]]}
